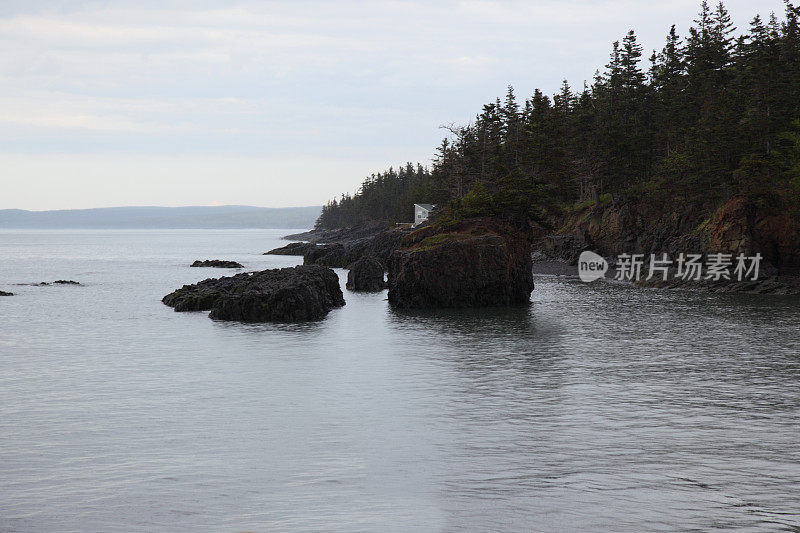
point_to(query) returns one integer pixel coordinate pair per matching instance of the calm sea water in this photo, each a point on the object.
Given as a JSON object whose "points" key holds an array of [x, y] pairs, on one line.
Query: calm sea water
{"points": [[599, 407]]}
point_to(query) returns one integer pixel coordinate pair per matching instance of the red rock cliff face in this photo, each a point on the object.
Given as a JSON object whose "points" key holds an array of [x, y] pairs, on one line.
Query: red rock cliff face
{"points": [[478, 263], [740, 227]]}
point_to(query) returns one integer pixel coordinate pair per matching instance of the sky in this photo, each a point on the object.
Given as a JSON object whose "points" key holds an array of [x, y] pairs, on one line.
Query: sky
{"points": [[275, 103]]}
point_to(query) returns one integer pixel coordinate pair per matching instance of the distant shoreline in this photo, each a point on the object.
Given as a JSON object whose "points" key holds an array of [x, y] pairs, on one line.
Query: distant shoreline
{"points": [[145, 217]]}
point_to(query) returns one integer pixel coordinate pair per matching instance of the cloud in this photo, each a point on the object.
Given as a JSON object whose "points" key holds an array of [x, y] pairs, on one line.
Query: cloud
{"points": [[307, 80]]}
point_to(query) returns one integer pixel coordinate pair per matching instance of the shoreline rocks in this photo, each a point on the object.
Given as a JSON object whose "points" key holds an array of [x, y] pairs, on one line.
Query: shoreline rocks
{"points": [[338, 248], [479, 262], [365, 243], [330, 255], [4, 293], [294, 294], [293, 248], [353, 233], [217, 263], [768, 285]]}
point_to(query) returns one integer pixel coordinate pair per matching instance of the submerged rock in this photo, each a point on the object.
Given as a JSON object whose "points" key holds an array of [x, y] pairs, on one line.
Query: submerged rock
{"points": [[366, 274], [476, 263], [293, 248], [48, 284], [4, 293], [295, 294], [217, 263]]}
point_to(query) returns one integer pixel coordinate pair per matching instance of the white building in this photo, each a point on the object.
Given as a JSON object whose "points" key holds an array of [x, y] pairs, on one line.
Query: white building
{"points": [[421, 212]]}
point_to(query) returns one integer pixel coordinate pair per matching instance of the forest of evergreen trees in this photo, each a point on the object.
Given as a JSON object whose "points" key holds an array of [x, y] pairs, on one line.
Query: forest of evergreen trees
{"points": [[713, 115]]}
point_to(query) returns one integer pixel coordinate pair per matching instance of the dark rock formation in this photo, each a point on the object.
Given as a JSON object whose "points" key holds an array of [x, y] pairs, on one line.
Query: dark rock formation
{"points": [[330, 255], [294, 294], [293, 248], [476, 263], [366, 274], [217, 263], [3, 293], [65, 282]]}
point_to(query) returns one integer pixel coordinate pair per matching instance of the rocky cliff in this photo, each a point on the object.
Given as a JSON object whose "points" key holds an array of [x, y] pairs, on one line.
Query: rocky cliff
{"points": [[739, 226]]}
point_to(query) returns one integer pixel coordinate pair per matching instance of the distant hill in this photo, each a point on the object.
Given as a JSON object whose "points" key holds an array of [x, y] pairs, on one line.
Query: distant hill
{"points": [[200, 217]]}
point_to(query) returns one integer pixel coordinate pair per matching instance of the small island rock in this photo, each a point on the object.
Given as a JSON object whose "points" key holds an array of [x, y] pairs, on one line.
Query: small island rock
{"points": [[4, 293], [217, 263]]}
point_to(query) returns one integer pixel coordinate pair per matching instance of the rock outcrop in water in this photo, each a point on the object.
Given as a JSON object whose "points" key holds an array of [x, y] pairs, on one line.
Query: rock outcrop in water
{"points": [[293, 294], [217, 263], [476, 263], [48, 284], [366, 275], [4, 293]]}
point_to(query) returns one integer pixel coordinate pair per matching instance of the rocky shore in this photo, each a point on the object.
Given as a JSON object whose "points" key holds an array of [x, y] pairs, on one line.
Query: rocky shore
{"points": [[295, 294], [431, 273], [293, 248]]}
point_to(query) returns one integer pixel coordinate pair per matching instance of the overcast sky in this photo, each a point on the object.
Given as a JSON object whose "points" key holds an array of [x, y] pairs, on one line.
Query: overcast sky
{"points": [[274, 103]]}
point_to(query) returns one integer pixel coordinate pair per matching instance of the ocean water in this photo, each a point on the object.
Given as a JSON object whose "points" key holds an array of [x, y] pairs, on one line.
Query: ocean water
{"points": [[598, 407]]}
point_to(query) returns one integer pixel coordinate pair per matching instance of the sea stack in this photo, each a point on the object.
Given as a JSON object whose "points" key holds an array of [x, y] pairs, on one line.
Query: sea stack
{"points": [[480, 262], [366, 275]]}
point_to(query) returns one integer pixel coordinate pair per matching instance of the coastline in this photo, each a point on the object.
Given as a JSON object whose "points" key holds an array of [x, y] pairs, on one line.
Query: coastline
{"points": [[549, 262]]}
